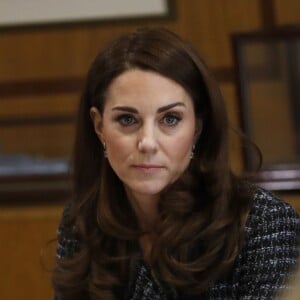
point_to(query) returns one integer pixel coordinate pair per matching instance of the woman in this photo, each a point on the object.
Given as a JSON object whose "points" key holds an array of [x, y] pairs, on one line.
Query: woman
{"points": [[156, 211]]}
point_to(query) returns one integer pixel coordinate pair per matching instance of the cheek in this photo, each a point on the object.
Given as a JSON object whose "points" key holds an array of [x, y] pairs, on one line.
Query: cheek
{"points": [[181, 147], [118, 146]]}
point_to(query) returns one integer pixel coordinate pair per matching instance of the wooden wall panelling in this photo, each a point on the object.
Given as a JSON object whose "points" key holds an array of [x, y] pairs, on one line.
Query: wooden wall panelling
{"points": [[268, 15], [39, 105], [45, 53], [57, 51], [38, 124], [24, 232], [38, 86], [209, 23], [40, 139], [287, 12]]}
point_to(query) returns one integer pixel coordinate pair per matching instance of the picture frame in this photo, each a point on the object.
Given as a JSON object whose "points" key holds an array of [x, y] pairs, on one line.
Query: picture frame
{"points": [[18, 13], [268, 82]]}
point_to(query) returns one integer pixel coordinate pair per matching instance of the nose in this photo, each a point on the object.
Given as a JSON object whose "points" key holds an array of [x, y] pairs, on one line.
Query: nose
{"points": [[147, 141]]}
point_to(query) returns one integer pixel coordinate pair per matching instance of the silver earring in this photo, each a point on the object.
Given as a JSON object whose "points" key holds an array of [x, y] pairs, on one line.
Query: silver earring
{"points": [[104, 149], [192, 152]]}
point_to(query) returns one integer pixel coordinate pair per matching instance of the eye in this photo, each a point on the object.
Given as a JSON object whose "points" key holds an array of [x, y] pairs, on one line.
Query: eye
{"points": [[171, 120], [126, 120]]}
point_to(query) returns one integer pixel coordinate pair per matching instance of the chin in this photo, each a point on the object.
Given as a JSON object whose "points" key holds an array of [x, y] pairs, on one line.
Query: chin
{"points": [[147, 190]]}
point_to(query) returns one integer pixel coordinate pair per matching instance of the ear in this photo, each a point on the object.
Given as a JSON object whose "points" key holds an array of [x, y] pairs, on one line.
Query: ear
{"points": [[97, 122]]}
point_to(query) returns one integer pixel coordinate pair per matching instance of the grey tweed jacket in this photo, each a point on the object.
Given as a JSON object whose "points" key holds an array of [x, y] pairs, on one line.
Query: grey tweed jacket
{"points": [[262, 269]]}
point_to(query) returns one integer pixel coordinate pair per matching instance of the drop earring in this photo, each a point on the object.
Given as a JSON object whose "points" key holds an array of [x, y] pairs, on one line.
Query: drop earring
{"points": [[192, 152], [104, 149]]}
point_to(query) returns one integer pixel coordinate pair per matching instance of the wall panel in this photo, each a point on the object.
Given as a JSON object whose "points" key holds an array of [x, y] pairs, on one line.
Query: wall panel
{"points": [[23, 234], [287, 12], [209, 23], [37, 105]]}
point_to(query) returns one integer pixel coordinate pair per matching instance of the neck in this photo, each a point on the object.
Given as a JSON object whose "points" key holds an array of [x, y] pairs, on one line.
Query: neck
{"points": [[145, 207]]}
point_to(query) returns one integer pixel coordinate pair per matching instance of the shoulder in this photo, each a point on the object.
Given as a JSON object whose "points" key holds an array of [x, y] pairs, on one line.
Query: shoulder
{"points": [[272, 228], [269, 211], [67, 243], [271, 249]]}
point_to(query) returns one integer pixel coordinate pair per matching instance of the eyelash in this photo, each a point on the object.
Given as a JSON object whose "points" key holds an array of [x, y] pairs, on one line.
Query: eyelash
{"points": [[128, 120], [123, 120], [174, 117]]}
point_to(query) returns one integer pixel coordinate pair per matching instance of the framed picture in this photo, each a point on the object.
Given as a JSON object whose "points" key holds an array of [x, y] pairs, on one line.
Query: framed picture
{"points": [[45, 12], [268, 76]]}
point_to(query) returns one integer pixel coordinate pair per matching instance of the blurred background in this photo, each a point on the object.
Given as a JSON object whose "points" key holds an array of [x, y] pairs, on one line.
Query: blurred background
{"points": [[44, 57]]}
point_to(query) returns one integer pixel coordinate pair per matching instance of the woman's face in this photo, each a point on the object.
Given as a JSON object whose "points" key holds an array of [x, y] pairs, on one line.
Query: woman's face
{"points": [[149, 128]]}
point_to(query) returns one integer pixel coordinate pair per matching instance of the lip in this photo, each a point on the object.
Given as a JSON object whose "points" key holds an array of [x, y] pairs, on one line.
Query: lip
{"points": [[148, 167]]}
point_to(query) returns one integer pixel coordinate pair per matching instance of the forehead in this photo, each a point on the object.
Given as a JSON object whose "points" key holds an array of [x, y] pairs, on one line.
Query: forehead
{"points": [[145, 88]]}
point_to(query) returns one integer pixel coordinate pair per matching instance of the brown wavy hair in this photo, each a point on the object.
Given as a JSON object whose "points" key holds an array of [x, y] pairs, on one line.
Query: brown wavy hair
{"points": [[201, 216]]}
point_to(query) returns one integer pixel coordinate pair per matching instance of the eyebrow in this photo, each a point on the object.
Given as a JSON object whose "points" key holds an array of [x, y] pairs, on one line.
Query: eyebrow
{"points": [[126, 108], [167, 107], [160, 110]]}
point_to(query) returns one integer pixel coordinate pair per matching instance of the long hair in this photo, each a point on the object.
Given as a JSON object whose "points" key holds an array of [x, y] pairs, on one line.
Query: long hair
{"points": [[201, 216]]}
